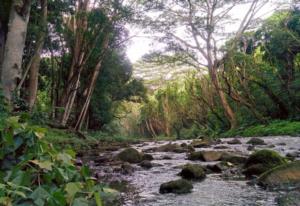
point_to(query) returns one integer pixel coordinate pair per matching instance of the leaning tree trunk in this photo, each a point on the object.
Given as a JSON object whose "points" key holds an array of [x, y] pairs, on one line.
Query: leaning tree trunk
{"points": [[226, 106], [34, 69], [15, 42], [91, 86]]}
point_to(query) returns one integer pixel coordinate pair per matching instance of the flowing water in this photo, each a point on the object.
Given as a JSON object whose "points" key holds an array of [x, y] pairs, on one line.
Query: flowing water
{"points": [[214, 190]]}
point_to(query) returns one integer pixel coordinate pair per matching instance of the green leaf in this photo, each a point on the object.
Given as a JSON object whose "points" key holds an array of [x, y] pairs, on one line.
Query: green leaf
{"points": [[5, 201], [39, 135], [39, 196], [72, 188], [98, 199], [80, 202], [65, 158], [57, 198], [19, 193], [43, 164]]}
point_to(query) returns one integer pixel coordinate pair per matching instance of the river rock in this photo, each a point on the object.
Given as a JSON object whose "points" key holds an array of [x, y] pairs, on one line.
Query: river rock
{"points": [[146, 164], [166, 157], [221, 147], [171, 148], [207, 156], [127, 168], [192, 172], [130, 155], [262, 161], [292, 155], [198, 143], [180, 186], [233, 158], [147, 157], [216, 168], [256, 141], [281, 176], [234, 141]]}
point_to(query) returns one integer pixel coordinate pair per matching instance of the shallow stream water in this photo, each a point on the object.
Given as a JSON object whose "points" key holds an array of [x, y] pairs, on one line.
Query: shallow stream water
{"points": [[212, 191]]}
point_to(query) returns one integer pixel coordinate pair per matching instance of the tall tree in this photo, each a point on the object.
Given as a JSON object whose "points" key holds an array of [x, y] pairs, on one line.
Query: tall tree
{"points": [[196, 28], [14, 45]]}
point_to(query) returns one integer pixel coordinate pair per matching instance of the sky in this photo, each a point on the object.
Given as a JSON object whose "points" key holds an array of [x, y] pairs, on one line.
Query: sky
{"points": [[144, 43]]}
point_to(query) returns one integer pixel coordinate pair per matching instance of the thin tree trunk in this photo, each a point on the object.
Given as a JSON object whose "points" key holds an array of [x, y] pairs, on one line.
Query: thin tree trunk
{"points": [[2, 44], [13, 53], [34, 69], [69, 95], [91, 86]]}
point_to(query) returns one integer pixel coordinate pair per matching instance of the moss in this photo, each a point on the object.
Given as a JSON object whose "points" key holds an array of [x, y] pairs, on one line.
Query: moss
{"points": [[261, 161], [256, 141], [130, 155], [286, 174], [192, 171], [180, 186]]}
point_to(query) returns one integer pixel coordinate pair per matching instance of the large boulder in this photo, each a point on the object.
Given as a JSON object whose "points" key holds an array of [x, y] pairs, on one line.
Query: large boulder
{"points": [[192, 172], [130, 155], [256, 141], [281, 176], [262, 161], [207, 156], [180, 186]]}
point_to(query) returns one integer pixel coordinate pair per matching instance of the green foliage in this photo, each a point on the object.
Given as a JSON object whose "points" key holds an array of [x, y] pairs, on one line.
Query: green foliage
{"points": [[34, 173], [272, 129]]}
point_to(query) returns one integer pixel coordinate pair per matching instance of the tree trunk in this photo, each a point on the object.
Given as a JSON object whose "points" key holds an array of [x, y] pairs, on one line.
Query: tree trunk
{"points": [[13, 53], [2, 43], [283, 110], [69, 94], [34, 69], [91, 87], [228, 110]]}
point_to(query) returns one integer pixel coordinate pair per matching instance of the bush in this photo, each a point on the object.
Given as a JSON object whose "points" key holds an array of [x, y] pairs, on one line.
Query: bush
{"points": [[34, 173]]}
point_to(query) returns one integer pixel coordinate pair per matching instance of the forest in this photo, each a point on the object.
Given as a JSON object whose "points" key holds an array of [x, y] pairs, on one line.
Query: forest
{"points": [[215, 100]]}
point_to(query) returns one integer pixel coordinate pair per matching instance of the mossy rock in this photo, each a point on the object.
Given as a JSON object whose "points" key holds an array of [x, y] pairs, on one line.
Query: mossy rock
{"points": [[281, 176], [171, 148], [233, 158], [256, 141], [198, 143], [207, 156], [180, 186], [130, 155], [192, 172], [262, 161]]}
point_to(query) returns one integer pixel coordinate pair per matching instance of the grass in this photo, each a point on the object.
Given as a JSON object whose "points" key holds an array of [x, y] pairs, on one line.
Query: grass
{"points": [[68, 139], [274, 128]]}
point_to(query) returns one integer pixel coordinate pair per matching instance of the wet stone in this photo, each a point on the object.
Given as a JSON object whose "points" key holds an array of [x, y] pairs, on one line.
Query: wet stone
{"points": [[234, 141], [180, 186], [256, 141]]}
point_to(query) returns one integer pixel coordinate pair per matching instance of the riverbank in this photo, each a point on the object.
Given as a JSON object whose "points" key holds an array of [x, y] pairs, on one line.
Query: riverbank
{"points": [[274, 128], [65, 138]]}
